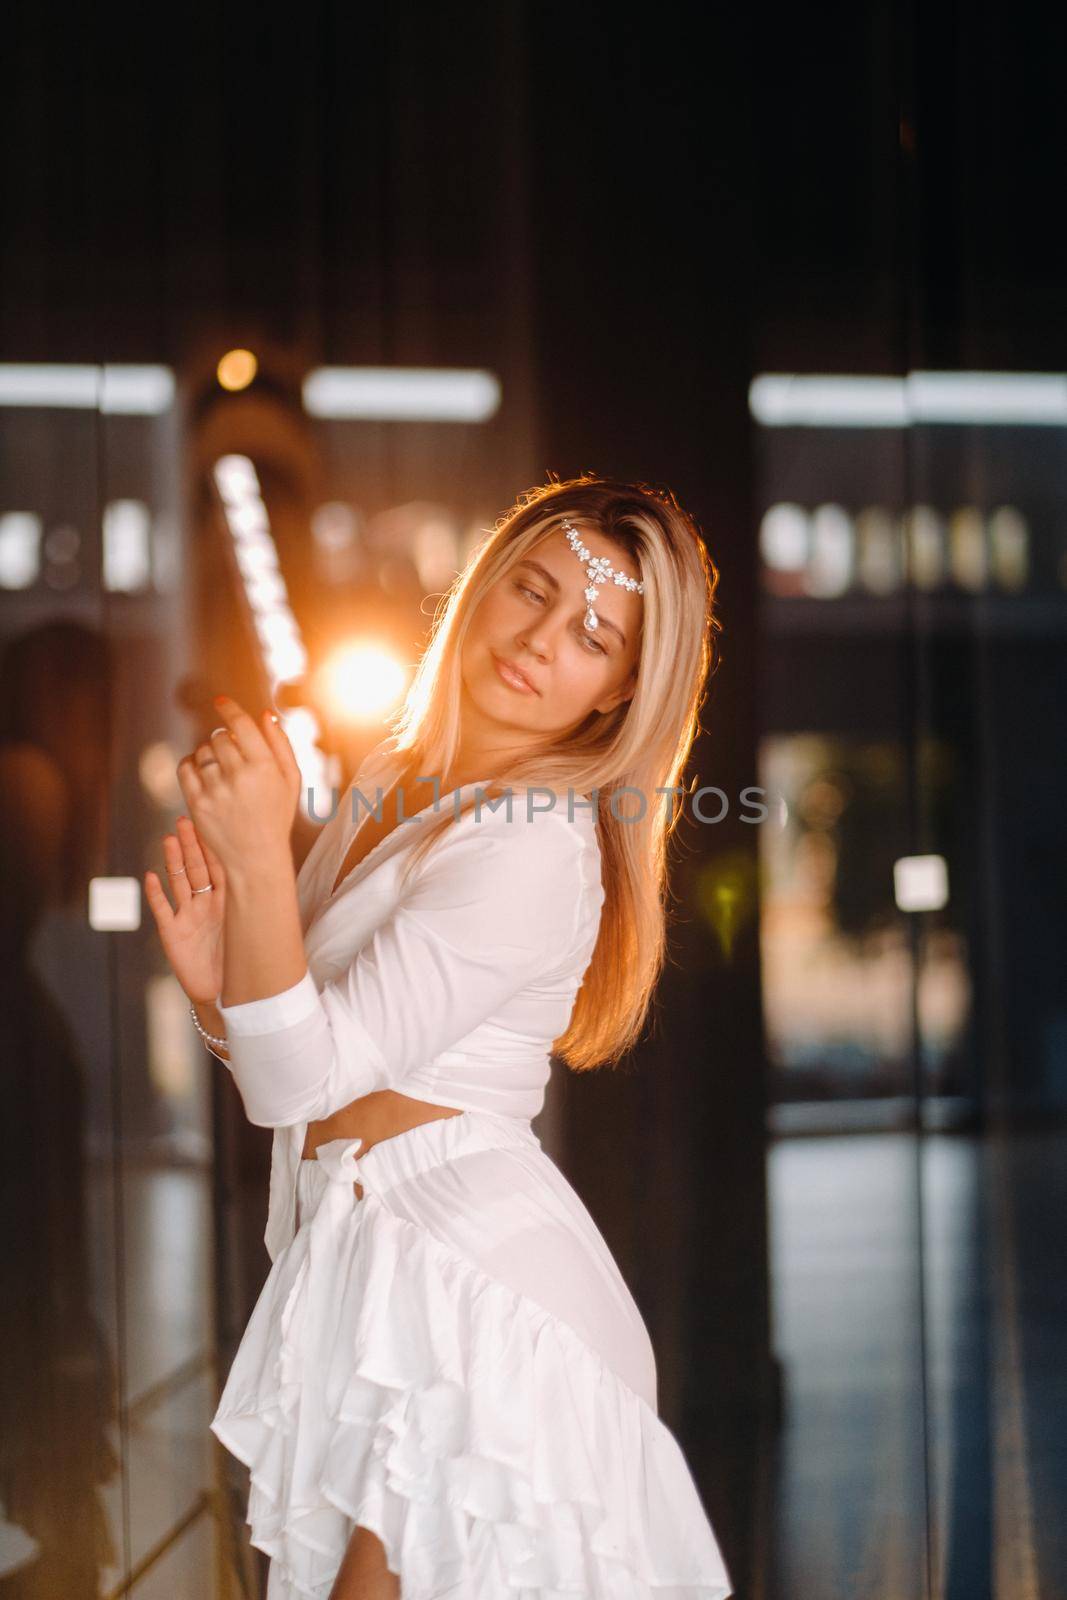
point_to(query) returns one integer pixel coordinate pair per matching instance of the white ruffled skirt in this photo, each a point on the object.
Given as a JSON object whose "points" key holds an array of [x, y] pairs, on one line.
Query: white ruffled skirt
{"points": [[455, 1362]]}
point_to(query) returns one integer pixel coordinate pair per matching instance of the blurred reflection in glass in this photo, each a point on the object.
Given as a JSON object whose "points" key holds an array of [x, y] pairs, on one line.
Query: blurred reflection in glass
{"points": [[838, 969], [57, 1378]]}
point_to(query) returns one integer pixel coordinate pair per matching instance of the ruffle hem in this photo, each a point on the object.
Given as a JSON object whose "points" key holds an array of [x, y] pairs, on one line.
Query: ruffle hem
{"points": [[389, 1382]]}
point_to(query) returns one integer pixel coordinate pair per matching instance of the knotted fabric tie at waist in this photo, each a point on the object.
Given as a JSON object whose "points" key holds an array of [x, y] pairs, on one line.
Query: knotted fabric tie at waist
{"points": [[341, 1166], [306, 1314]]}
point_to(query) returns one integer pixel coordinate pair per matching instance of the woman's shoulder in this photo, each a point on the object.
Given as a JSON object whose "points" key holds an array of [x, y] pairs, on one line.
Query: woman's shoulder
{"points": [[527, 813], [511, 836], [503, 875], [522, 845]]}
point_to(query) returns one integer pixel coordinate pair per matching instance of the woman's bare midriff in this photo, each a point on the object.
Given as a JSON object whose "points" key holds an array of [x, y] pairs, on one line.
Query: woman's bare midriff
{"points": [[373, 1117]]}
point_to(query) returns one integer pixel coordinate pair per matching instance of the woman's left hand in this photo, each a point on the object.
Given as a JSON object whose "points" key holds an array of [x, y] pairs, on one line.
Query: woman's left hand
{"points": [[242, 786]]}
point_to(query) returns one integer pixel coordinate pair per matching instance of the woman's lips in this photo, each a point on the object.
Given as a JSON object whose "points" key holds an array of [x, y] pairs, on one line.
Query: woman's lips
{"points": [[512, 677]]}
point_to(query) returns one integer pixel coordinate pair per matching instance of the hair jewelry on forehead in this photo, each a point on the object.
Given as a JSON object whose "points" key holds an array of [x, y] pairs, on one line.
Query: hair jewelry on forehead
{"points": [[599, 569]]}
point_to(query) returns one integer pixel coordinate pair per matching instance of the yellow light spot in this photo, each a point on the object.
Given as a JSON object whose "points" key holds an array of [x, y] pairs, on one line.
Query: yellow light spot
{"points": [[726, 891], [360, 681], [237, 369]]}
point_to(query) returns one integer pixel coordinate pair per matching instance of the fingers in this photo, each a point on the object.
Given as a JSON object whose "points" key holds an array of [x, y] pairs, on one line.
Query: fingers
{"points": [[221, 746], [238, 738], [187, 868], [158, 903], [198, 868], [177, 868], [200, 771], [281, 749], [216, 758], [190, 782], [242, 728], [203, 863]]}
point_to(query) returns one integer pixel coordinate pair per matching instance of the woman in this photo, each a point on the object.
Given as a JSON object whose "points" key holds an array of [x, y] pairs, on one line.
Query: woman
{"points": [[446, 1387]]}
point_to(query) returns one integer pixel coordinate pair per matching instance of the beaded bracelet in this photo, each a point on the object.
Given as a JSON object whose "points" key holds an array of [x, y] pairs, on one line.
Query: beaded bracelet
{"points": [[211, 1038]]}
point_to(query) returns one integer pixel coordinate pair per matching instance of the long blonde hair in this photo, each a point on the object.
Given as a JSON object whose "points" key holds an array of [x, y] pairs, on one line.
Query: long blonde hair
{"points": [[640, 745]]}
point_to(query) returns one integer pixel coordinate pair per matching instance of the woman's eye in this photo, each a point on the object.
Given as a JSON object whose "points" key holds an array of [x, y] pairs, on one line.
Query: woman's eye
{"points": [[597, 647]]}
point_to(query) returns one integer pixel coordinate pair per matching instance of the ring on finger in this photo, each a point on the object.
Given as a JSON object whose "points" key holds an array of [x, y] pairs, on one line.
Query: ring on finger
{"points": [[176, 872]]}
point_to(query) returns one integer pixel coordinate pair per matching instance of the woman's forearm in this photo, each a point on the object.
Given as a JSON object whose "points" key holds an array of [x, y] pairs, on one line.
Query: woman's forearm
{"points": [[264, 943]]}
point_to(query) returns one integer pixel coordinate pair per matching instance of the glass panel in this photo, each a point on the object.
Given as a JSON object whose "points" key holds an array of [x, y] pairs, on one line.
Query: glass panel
{"points": [[990, 614], [106, 1320], [163, 1104], [913, 934], [62, 1484], [183, 1571], [836, 759]]}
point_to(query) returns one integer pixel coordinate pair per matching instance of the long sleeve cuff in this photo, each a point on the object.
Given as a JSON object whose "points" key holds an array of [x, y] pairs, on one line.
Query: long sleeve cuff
{"points": [[298, 1055], [273, 1011]]}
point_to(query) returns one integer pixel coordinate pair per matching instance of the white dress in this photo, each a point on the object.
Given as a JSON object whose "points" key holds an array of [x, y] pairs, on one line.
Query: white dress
{"points": [[452, 1360]]}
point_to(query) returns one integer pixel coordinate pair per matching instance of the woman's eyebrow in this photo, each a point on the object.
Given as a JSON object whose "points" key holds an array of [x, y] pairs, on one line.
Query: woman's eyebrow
{"points": [[553, 584]]}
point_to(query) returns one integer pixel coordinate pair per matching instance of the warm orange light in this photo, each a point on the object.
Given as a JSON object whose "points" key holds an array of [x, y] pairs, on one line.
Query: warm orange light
{"points": [[237, 369], [360, 681]]}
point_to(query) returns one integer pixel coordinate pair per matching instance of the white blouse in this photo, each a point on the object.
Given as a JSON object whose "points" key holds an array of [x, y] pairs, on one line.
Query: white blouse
{"points": [[450, 989]]}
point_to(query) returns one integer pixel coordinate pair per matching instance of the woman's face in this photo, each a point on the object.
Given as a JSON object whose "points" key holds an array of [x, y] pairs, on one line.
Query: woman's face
{"points": [[534, 617]]}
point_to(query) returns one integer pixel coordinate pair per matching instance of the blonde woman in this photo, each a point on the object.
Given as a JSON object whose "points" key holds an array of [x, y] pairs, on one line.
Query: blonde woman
{"points": [[446, 1387]]}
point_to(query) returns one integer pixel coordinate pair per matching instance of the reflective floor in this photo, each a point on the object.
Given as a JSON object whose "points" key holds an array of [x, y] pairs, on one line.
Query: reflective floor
{"points": [[889, 1429]]}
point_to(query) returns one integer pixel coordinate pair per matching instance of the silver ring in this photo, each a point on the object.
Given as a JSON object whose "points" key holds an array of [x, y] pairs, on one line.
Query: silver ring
{"points": [[176, 872], [214, 731], [206, 890], [212, 761]]}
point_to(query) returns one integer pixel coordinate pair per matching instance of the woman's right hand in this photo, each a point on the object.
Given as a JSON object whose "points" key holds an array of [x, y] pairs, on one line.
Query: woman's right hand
{"points": [[192, 931]]}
